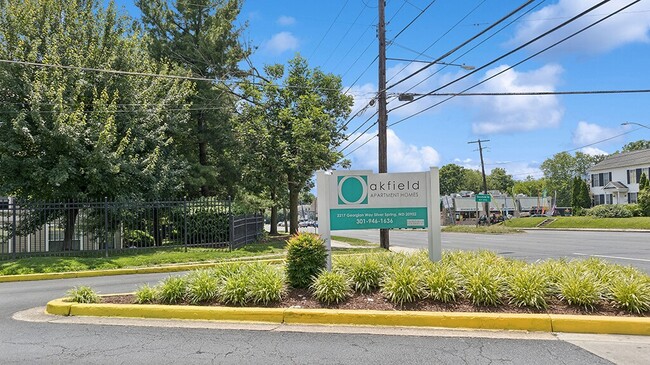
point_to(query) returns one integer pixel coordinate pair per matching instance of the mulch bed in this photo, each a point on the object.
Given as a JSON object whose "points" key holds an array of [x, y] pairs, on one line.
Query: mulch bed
{"points": [[300, 298]]}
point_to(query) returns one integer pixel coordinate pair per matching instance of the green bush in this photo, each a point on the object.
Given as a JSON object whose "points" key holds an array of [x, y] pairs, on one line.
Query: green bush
{"points": [[201, 287], [528, 287], [172, 290], [631, 294], [634, 209], [146, 295], [267, 285], [137, 238], [609, 211], [443, 283], [581, 289], [331, 287], [403, 284], [82, 294], [306, 257], [366, 274], [483, 285], [235, 289]]}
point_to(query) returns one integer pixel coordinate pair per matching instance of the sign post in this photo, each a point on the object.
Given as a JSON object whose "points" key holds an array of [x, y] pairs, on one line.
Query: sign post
{"points": [[363, 200]]}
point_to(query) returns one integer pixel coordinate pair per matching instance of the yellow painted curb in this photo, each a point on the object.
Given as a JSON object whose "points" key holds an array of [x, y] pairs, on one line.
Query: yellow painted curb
{"points": [[500, 321], [58, 307], [601, 325], [273, 315], [126, 271]]}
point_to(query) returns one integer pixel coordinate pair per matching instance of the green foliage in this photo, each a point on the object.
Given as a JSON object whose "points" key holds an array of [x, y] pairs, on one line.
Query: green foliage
{"points": [[580, 198], [202, 286], [643, 182], [366, 274], [631, 294], [403, 284], [580, 288], [644, 201], [82, 294], [451, 179], [235, 289], [528, 287], [172, 290], [331, 287], [483, 284], [443, 283], [306, 257], [609, 211], [636, 146], [500, 180], [560, 170], [146, 295], [268, 284], [137, 238]]}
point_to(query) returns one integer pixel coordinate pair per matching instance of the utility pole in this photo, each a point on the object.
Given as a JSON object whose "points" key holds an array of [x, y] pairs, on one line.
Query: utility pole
{"points": [[486, 206], [384, 238]]}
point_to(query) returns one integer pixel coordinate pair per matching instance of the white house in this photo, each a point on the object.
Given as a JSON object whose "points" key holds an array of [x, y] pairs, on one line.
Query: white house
{"points": [[615, 180]]}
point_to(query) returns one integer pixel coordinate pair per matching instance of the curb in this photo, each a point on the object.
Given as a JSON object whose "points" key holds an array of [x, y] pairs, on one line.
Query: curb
{"points": [[485, 321], [113, 272]]}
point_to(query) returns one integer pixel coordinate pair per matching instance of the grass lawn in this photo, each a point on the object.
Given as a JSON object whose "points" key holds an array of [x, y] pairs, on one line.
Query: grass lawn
{"points": [[494, 229], [353, 241], [583, 222]]}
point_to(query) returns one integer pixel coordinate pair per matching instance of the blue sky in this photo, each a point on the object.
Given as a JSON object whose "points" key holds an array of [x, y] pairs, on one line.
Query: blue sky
{"points": [[339, 36]]}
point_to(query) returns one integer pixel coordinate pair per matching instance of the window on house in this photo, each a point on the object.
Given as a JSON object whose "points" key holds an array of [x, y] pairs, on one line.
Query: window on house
{"points": [[634, 175], [632, 198], [601, 179]]}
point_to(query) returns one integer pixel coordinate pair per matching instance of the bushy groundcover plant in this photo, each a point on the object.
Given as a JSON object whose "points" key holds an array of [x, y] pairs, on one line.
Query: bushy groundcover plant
{"points": [[331, 287], [82, 294]]}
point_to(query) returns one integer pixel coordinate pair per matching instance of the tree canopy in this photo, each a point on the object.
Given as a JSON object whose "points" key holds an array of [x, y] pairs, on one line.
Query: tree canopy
{"points": [[637, 145]]}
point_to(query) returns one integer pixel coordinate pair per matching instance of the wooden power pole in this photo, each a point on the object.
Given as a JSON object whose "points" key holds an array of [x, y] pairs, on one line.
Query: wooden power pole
{"points": [[384, 238]]}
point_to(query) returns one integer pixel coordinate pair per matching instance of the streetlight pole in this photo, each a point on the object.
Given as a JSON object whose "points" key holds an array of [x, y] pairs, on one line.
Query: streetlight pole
{"points": [[486, 205], [384, 238], [635, 123]]}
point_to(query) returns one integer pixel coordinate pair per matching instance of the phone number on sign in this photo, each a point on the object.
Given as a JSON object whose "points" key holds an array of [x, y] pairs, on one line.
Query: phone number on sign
{"points": [[375, 221]]}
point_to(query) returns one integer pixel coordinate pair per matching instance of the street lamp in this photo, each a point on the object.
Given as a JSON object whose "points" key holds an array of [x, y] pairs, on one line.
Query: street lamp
{"points": [[463, 66], [635, 123]]}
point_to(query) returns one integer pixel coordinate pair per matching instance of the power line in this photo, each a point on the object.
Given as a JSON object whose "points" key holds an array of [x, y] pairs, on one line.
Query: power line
{"points": [[330, 28], [538, 93], [412, 21], [513, 51]]}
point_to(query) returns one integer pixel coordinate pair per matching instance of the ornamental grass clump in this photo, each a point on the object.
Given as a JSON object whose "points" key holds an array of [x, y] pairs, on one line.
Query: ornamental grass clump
{"points": [[172, 290], [528, 287], [201, 287], [366, 274], [483, 285], [443, 283], [331, 287], [631, 294], [580, 288], [146, 295], [268, 284], [235, 289], [403, 284], [82, 294], [306, 257]]}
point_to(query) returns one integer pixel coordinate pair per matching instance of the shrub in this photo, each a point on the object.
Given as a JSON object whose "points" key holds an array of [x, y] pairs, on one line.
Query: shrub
{"points": [[528, 287], [443, 283], [268, 284], [172, 290], [609, 211], [483, 285], [137, 238], [306, 257], [201, 287], [403, 284], [146, 295], [83, 294], [235, 289], [331, 287], [366, 274], [580, 289], [634, 209], [631, 294]]}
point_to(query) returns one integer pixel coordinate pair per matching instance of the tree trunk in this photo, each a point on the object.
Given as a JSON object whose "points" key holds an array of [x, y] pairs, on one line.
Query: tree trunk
{"points": [[274, 216], [294, 194], [203, 150], [68, 233]]}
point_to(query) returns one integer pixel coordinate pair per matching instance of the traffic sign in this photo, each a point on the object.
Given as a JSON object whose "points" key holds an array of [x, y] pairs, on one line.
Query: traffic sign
{"points": [[483, 198]]}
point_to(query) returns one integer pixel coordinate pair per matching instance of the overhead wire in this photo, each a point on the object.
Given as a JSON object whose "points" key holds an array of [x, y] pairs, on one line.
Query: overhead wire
{"points": [[329, 28]]}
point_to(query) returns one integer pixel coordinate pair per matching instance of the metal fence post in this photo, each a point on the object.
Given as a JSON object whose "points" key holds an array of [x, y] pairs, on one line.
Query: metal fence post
{"points": [[106, 226], [185, 222], [231, 221], [14, 232]]}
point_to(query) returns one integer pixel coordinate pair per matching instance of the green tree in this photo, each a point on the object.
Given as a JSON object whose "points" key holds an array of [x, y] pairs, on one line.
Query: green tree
{"points": [[300, 111], [473, 180], [643, 197], [500, 180], [560, 170], [529, 187], [580, 198], [71, 134], [452, 178], [636, 145], [201, 36], [643, 182]]}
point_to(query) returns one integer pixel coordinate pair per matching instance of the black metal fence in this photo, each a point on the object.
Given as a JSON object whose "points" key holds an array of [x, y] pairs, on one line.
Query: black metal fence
{"points": [[32, 229]]}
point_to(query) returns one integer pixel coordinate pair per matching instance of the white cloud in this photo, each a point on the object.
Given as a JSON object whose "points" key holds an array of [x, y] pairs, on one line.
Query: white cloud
{"points": [[402, 157], [285, 20], [362, 95], [593, 151], [280, 43], [587, 133], [630, 26], [507, 114]]}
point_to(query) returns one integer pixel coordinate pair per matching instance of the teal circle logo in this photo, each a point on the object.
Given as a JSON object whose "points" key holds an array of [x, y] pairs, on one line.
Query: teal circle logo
{"points": [[353, 190]]}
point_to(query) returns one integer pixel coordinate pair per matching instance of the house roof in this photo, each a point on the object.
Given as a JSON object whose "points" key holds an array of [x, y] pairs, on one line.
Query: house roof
{"points": [[625, 159], [616, 186]]}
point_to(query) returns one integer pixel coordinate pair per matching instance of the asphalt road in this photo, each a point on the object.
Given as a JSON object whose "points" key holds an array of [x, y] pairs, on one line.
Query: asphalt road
{"points": [[62, 341], [626, 248]]}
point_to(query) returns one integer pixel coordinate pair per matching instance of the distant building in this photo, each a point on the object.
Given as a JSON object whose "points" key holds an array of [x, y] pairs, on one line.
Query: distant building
{"points": [[615, 180], [464, 206]]}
